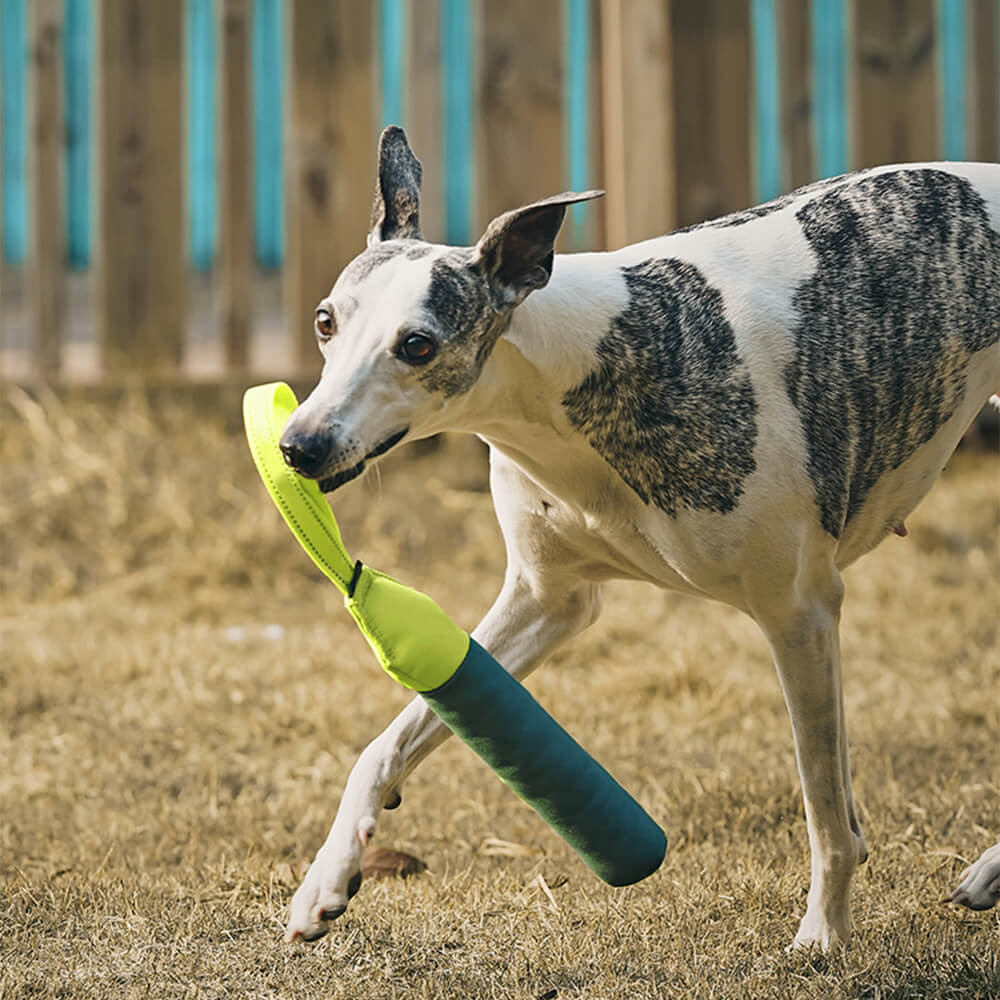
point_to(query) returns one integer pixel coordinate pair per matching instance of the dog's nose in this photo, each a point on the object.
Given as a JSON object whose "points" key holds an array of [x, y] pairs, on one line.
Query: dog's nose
{"points": [[305, 453]]}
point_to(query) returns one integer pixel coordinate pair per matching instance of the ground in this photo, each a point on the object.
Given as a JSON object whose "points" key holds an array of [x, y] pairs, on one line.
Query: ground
{"points": [[183, 696]]}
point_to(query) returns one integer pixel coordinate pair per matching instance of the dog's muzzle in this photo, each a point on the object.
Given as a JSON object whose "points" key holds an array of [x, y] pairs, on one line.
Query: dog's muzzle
{"points": [[330, 483]]}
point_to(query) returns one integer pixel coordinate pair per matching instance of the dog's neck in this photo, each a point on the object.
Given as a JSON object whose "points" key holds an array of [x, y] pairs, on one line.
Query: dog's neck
{"points": [[548, 348]]}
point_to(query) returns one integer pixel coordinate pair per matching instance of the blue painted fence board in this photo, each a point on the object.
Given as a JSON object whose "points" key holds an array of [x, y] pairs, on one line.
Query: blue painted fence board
{"points": [[767, 100], [577, 13], [456, 79], [268, 141], [392, 30], [952, 49], [78, 63], [202, 64], [829, 51], [13, 70]]}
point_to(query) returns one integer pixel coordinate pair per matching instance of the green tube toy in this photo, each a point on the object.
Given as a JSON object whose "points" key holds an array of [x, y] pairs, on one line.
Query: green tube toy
{"points": [[424, 650]]}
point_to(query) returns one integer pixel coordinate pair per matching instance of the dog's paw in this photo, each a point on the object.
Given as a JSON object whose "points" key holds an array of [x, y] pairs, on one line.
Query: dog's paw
{"points": [[320, 899], [980, 885]]}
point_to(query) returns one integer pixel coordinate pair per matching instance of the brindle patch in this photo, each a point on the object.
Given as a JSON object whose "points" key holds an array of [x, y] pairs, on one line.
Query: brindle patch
{"points": [[907, 285], [375, 256], [467, 327], [670, 405]]}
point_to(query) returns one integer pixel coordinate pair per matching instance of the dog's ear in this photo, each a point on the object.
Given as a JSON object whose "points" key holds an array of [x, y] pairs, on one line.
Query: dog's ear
{"points": [[515, 253], [396, 212]]}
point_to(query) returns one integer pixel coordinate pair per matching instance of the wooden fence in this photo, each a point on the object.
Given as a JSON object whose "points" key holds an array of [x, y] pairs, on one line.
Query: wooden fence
{"points": [[149, 140]]}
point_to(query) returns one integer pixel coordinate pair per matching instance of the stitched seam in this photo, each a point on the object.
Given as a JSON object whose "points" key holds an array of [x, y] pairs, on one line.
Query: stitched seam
{"points": [[276, 495]]}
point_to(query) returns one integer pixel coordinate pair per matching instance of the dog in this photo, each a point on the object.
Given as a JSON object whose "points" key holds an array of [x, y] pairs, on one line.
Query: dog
{"points": [[738, 410], [980, 885]]}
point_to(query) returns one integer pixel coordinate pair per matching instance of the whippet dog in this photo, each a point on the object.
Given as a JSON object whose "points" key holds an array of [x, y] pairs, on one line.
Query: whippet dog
{"points": [[738, 410]]}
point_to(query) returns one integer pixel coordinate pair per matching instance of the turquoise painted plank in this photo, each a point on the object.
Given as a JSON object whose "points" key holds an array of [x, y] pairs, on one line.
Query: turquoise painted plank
{"points": [[13, 70], [268, 45], [202, 64], [952, 55], [577, 32], [78, 62], [829, 50], [766, 100], [392, 28], [457, 82]]}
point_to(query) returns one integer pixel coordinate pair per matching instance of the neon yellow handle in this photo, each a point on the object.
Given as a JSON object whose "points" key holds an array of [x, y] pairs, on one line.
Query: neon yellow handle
{"points": [[266, 409], [414, 640]]}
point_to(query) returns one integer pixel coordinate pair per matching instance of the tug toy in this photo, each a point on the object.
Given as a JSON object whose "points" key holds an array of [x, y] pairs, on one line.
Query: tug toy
{"points": [[423, 649]]}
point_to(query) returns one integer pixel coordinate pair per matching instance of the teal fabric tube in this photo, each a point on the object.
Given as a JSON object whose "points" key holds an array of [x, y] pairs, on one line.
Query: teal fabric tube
{"points": [[535, 756]]}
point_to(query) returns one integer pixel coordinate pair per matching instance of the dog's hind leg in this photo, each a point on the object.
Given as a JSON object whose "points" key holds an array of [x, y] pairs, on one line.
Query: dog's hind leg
{"points": [[803, 634]]}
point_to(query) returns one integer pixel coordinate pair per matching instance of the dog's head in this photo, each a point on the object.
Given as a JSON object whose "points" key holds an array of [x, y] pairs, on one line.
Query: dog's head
{"points": [[409, 325]]}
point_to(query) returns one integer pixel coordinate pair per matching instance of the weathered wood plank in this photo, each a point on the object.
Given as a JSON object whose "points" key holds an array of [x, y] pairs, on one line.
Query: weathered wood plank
{"points": [[984, 93], [521, 66], [794, 40], [330, 153], [638, 123], [141, 286], [48, 240], [236, 222], [422, 109], [895, 82], [712, 86]]}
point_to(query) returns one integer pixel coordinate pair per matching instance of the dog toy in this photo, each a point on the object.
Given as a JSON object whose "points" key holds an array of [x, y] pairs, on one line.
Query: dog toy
{"points": [[424, 650]]}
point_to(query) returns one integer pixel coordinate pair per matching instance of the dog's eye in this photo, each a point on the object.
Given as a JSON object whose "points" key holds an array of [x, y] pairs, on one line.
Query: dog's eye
{"points": [[417, 349], [325, 327]]}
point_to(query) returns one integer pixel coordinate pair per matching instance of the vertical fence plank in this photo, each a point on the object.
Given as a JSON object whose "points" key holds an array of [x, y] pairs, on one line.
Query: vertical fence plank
{"points": [[331, 151], [78, 49], [202, 70], [48, 245], [458, 82], [422, 109], [237, 206], [637, 102], [798, 161], [984, 105], [141, 287], [268, 138], [520, 104], [951, 21], [829, 58], [13, 39], [767, 111], [712, 87], [895, 106]]}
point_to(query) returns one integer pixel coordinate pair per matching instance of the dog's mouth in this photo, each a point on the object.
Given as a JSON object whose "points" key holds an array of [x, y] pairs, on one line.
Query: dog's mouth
{"points": [[330, 483]]}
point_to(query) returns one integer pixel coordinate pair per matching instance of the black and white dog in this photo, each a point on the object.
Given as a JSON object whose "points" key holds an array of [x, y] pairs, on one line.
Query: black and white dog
{"points": [[738, 410]]}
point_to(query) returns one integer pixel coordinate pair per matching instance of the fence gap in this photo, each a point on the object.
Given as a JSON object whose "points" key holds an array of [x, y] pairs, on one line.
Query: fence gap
{"points": [[459, 101], [202, 66], [78, 62], [951, 67], [141, 285], [578, 19], [767, 100], [236, 255], [268, 43], [13, 72], [48, 232], [391, 36], [829, 59]]}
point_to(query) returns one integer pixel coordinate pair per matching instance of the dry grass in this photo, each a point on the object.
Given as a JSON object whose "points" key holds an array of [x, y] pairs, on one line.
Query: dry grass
{"points": [[164, 774]]}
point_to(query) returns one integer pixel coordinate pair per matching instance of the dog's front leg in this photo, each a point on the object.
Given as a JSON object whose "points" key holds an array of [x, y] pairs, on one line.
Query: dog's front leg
{"points": [[524, 625], [804, 638]]}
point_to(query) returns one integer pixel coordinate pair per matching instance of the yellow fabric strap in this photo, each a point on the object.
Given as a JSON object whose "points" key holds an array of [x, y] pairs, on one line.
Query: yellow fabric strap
{"points": [[414, 640]]}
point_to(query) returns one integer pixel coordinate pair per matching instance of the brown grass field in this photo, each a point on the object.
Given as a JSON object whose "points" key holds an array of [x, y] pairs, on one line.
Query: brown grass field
{"points": [[164, 776]]}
